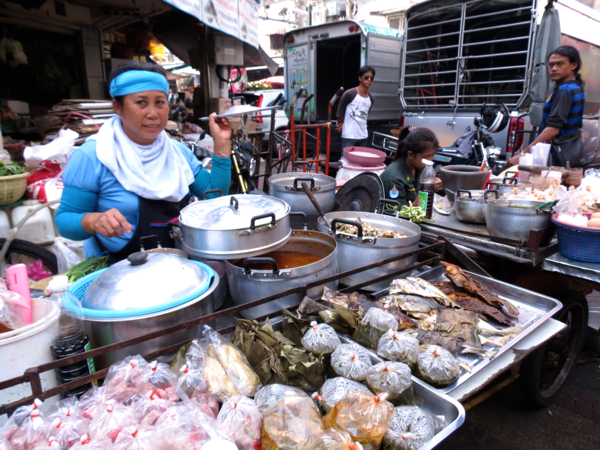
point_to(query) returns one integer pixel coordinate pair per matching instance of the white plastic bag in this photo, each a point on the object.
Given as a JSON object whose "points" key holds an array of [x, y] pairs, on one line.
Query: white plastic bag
{"points": [[56, 151], [66, 256]]}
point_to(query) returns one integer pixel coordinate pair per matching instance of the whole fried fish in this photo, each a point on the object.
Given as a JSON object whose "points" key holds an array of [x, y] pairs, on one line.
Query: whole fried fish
{"points": [[417, 286], [461, 279]]}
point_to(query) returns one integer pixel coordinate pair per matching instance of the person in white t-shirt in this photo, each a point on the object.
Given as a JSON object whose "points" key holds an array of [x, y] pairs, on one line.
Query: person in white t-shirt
{"points": [[354, 108]]}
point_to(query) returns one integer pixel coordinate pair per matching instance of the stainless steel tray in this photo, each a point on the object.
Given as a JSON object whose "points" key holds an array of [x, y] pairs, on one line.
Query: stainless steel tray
{"points": [[534, 310]]}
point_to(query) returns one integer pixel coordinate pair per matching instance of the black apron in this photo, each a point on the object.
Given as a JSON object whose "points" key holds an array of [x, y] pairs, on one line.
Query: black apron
{"points": [[154, 219]]}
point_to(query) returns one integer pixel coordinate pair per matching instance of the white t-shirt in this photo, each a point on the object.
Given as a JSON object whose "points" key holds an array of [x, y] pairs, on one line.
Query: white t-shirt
{"points": [[356, 113]]}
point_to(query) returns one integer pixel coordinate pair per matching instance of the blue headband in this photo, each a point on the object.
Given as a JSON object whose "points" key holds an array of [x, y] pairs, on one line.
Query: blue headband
{"points": [[134, 81]]}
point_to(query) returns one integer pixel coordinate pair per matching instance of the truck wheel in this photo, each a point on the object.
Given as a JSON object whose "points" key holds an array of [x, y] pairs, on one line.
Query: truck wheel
{"points": [[545, 370]]}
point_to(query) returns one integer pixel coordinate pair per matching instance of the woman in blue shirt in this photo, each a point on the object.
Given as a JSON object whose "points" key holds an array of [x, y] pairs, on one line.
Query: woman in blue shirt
{"points": [[130, 179]]}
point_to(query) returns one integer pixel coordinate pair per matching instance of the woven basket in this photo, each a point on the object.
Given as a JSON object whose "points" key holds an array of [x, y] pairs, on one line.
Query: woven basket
{"points": [[12, 188]]}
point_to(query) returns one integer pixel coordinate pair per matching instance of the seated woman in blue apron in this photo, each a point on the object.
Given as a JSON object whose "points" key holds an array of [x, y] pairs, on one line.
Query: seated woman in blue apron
{"points": [[401, 177], [130, 179]]}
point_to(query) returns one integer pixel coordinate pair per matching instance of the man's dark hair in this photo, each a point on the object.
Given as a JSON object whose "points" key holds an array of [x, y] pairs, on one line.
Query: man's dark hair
{"points": [[133, 65], [365, 69], [418, 141], [573, 54]]}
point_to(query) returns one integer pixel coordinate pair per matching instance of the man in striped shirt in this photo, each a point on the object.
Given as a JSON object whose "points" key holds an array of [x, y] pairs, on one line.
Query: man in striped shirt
{"points": [[563, 111]]}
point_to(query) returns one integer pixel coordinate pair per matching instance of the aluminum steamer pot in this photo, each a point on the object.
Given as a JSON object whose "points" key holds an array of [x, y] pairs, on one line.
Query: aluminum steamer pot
{"points": [[248, 283], [288, 187], [359, 251], [472, 207], [233, 227], [508, 185], [515, 219]]}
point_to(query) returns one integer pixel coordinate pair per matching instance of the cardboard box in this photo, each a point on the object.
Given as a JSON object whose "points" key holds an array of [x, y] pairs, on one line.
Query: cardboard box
{"points": [[220, 105]]}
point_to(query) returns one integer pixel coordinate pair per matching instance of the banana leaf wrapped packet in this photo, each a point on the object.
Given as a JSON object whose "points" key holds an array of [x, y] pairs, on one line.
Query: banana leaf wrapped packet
{"points": [[363, 416], [351, 361], [334, 390], [410, 428], [334, 439], [268, 395], [437, 366], [393, 378], [399, 347], [292, 423], [374, 324], [320, 339]]}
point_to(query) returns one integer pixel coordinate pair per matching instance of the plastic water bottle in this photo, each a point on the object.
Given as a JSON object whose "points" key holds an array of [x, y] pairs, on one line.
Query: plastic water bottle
{"points": [[71, 338], [426, 192]]}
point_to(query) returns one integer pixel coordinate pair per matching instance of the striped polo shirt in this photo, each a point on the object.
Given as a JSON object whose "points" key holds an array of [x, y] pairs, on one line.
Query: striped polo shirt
{"points": [[564, 108]]}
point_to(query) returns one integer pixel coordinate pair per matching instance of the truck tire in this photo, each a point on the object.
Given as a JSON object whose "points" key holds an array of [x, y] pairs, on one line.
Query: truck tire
{"points": [[545, 370]]}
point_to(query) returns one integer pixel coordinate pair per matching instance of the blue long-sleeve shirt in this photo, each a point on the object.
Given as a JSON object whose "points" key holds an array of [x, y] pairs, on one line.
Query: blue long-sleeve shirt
{"points": [[90, 187]]}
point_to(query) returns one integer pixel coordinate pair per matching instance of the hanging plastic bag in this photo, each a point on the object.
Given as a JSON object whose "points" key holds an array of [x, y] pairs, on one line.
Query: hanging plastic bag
{"points": [[334, 439], [363, 416], [240, 420], [393, 378], [410, 428], [351, 361], [320, 338]]}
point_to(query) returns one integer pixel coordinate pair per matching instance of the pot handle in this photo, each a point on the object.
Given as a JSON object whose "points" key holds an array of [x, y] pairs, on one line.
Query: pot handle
{"points": [[234, 203], [491, 183], [459, 191], [145, 238], [301, 179], [510, 180], [262, 216], [487, 191], [212, 191], [304, 218], [347, 222], [249, 261], [383, 202]]}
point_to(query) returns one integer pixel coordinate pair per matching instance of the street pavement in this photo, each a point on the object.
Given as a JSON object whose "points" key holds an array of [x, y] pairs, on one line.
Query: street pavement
{"points": [[572, 422]]}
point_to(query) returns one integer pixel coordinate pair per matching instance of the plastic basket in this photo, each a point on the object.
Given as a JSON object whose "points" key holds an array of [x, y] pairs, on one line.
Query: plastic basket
{"points": [[12, 188], [578, 243]]}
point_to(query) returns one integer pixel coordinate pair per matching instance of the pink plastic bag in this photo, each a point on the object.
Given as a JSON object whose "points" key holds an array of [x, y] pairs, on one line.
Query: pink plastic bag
{"points": [[240, 420], [37, 272], [111, 421]]}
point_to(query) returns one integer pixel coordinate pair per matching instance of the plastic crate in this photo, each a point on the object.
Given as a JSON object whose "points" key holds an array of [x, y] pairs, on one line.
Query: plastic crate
{"points": [[580, 244]]}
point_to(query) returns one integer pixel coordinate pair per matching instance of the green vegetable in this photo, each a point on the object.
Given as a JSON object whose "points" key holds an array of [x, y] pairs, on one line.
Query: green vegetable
{"points": [[86, 267], [7, 169], [413, 213]]}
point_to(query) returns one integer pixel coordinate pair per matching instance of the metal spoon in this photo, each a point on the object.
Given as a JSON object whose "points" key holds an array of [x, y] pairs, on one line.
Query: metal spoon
{"points": [[315, 202]]}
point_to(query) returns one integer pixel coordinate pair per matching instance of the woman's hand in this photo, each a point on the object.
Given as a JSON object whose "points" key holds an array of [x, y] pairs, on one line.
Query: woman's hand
{"points": [[110, 223], [515, 159], [437, 185], [220, 131]]}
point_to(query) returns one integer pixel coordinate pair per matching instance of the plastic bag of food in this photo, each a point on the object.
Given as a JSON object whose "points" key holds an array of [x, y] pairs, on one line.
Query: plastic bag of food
{"points": [[5, 444], [111, 420], [437, 366], [410, 428], [399, 347], [351, 361], [292, 423], [32, 432], [98, 443], [334, 439], [320, 338], [149, 407], [127, 378], [65, 409], [161, 376], [19, 418], [272, 393], [374, 324], [93, 402], [184, 426], [393, 378], [52, 443], [67, 431], [189, 381], [334, 389], [240, 420], [363, 416], [136, 438], [206, 402]]}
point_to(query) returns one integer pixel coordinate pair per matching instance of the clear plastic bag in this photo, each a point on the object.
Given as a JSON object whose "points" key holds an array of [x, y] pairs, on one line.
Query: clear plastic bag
{"points": [[320, 338], [32, 432], [410, 428], [19, 418], [67, 431], [161, 376], [93, 402], [399, 347], [240, 420], [111, 420], [65, 255], [99, 443], [272, 393], [183, 426], [149, 407], [127, 378], [437, 366], [334, 389], [393, 378], [189, 381], [363, 416], [5, 444], [374, 324], [334, 439], [65, 409], [206, 402], [134, 438], [15, 312], [351, 361], [292, 423]]}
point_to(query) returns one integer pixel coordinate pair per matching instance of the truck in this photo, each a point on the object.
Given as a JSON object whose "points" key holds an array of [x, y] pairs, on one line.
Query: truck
{"points": [[323, 58], [458, 54]]}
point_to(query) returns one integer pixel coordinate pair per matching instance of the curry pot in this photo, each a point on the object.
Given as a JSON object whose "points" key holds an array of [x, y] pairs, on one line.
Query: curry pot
{"points": [[515, 219], [288, 187], [251, 279], [358, 251]]}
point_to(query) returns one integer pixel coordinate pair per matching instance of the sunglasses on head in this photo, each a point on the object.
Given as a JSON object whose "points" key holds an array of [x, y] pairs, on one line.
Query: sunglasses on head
{"points": [[368, 78]]}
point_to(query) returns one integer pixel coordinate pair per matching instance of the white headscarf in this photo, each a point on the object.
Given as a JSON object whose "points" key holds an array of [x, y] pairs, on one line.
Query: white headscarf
{"points": [[156, 172]]}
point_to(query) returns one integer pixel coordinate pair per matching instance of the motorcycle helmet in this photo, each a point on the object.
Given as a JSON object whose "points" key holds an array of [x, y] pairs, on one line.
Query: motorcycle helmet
{"points": [[494, 118]]}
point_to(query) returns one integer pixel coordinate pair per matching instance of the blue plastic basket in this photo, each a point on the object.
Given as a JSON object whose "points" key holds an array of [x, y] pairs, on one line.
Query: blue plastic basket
{"points": [[577, 243], [80, 287]]}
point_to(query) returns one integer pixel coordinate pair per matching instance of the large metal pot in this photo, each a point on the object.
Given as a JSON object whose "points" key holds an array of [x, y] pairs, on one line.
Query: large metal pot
{"points": [[470, 206], [456, 177], [508, 185], [515, 219], [358, 251], [233, 227], [288, 187], [307, 257]]}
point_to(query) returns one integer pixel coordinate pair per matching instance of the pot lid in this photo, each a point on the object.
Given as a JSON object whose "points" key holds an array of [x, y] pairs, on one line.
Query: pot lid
{"points": [[318, 182], [145, 283], [232, 212], [361, 193]]}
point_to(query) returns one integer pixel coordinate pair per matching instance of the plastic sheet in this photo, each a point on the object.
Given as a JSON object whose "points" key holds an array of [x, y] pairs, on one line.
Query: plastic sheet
{"points": [[437, 366], [351, 361], [393, 378], [320, 338], [240, 420], [399, 347], [410, 428]]}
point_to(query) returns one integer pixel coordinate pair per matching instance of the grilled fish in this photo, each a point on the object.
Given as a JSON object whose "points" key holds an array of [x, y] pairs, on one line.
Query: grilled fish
{"points": [[461, 279], [417, 286]]}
